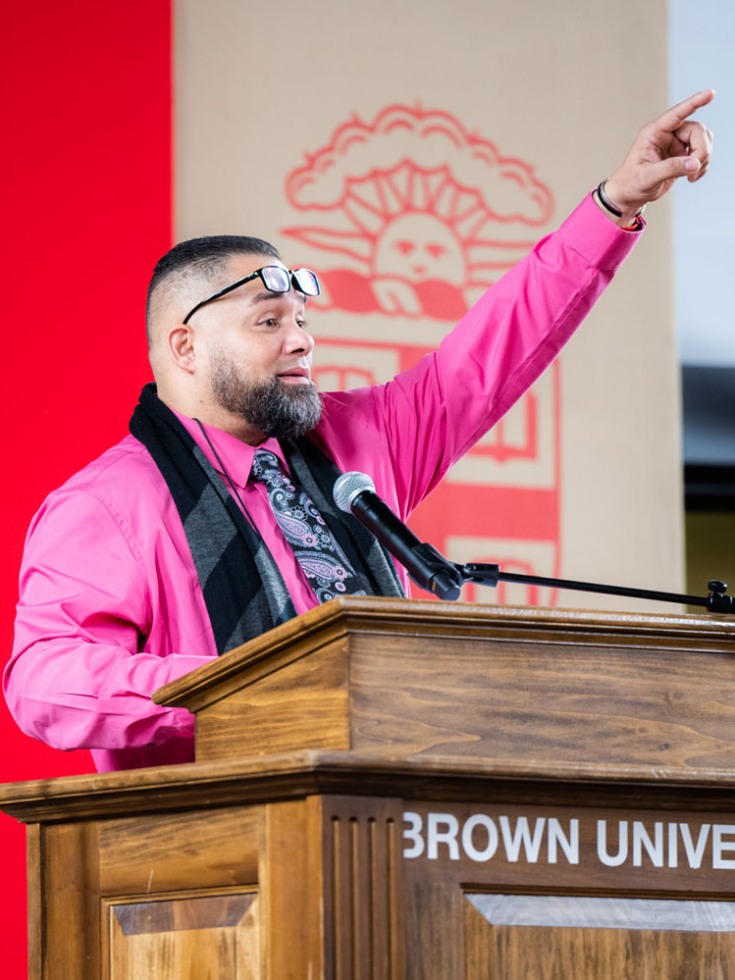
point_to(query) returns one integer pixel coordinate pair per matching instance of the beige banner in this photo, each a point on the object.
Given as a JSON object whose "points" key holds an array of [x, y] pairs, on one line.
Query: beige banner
{"points": [[364, 141]]}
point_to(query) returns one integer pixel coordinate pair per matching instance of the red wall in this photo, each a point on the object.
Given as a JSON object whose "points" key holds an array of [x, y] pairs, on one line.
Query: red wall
{"points": [[86, 175]]}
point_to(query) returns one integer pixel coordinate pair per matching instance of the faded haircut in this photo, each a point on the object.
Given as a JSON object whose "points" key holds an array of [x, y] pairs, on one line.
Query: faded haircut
{"points": [[200, 257]]}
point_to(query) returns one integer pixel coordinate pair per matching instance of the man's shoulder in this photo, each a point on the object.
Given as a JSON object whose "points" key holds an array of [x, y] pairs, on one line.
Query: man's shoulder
{"points": [[122, 485], [126, 461], [122, 477]]}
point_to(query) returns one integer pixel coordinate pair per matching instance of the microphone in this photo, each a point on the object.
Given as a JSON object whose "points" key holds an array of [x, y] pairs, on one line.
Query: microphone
{"points": [[354, 493]]}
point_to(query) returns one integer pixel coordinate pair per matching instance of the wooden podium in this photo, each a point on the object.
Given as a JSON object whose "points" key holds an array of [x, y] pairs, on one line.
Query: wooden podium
{"points": [[406, 790]]}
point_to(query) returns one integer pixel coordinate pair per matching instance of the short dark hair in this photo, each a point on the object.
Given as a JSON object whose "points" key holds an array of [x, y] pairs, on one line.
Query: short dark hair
{"points": [[203, 256]]}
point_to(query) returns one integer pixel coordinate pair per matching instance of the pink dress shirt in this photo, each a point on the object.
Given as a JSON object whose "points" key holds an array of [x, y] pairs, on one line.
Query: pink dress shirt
{"points": [[110, 605]]}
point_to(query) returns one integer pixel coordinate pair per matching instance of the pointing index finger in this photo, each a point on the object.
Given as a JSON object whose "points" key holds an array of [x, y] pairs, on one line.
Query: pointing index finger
{"points": [[670, 120]]}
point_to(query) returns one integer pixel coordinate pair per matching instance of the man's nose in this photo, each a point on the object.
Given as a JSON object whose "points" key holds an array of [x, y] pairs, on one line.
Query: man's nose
{"points": [[297, 338]]}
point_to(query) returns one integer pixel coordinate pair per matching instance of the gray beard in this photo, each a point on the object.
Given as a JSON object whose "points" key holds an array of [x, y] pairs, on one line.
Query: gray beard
{"points": [[278, 410]]}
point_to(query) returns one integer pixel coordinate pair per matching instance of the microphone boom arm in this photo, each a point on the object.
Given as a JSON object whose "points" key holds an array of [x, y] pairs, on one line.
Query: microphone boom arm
{"points": [[715, 601]]}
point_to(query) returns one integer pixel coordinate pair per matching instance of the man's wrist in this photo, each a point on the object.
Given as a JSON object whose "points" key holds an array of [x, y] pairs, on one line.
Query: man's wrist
{"points": [[629, 219]]}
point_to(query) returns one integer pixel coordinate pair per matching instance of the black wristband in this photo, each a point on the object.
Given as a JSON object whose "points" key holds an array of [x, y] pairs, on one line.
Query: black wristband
{"points": [[608, 204]]}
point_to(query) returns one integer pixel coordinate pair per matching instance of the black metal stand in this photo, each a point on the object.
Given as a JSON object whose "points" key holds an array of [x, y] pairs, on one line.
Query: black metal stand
{"points": [[715, 601], [445, 579], [430, 570]]}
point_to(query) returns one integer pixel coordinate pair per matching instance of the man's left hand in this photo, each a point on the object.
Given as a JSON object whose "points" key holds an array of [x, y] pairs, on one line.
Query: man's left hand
{"points": [[667, 148]]}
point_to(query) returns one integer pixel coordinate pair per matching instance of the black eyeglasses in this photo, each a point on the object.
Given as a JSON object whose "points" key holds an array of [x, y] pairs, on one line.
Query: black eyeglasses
{"points": [[275, 278]]}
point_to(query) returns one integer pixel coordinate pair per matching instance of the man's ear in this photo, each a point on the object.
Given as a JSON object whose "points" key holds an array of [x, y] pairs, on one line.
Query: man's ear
{"points": [[181, 346]]}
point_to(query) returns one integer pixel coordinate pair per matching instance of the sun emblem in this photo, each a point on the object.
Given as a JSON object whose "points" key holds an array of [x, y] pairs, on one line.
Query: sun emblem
{"points": [[417, 216]]}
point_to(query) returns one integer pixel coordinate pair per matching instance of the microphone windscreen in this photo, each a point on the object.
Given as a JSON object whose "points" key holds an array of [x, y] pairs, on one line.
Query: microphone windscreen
{"points": [[349, 486]]}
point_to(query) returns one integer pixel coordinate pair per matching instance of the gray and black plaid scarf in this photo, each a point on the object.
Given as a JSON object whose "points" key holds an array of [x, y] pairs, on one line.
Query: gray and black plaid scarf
{"points": [[243, 589]]}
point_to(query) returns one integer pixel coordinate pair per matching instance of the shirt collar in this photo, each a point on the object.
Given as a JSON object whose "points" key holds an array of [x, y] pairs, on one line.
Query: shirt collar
{"points": [[229, 455]]}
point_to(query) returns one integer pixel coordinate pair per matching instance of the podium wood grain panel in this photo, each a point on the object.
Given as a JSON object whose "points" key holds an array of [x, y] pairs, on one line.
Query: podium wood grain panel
{"points": [[363, 888], [546, 702], [215, 847], [187, 938], [434, 928], [298, 700], [292, 876], [69, 948], [36, 875], [559, 952]]}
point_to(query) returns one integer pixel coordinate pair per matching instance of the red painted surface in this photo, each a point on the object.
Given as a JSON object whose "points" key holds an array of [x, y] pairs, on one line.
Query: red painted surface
{"points": [[86, 175]]}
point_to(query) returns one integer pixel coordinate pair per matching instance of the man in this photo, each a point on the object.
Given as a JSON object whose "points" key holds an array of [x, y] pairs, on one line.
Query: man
{"points": [[213, 520]]}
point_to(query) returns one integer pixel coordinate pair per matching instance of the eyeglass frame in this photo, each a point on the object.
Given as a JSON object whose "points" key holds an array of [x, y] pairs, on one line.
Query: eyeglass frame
{"points": [[258, 274]]}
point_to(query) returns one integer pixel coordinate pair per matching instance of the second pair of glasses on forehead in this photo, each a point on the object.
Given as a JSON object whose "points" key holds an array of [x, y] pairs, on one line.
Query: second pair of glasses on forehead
{"points": [[275, 278]]}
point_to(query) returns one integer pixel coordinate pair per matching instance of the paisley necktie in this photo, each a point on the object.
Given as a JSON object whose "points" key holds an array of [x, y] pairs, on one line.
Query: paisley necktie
{"points": [[317, 552]]}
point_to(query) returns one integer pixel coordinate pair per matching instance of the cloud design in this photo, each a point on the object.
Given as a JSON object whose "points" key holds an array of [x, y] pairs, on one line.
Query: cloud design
{"points": [[435, 142]]}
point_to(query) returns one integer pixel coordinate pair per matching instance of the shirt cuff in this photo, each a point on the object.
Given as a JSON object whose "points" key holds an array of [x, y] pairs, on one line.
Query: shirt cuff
{"points": [[597, 239]]}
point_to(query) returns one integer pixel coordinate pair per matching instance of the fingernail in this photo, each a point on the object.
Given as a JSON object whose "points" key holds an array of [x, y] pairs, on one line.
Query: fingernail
{"points": [[691, 164]]}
